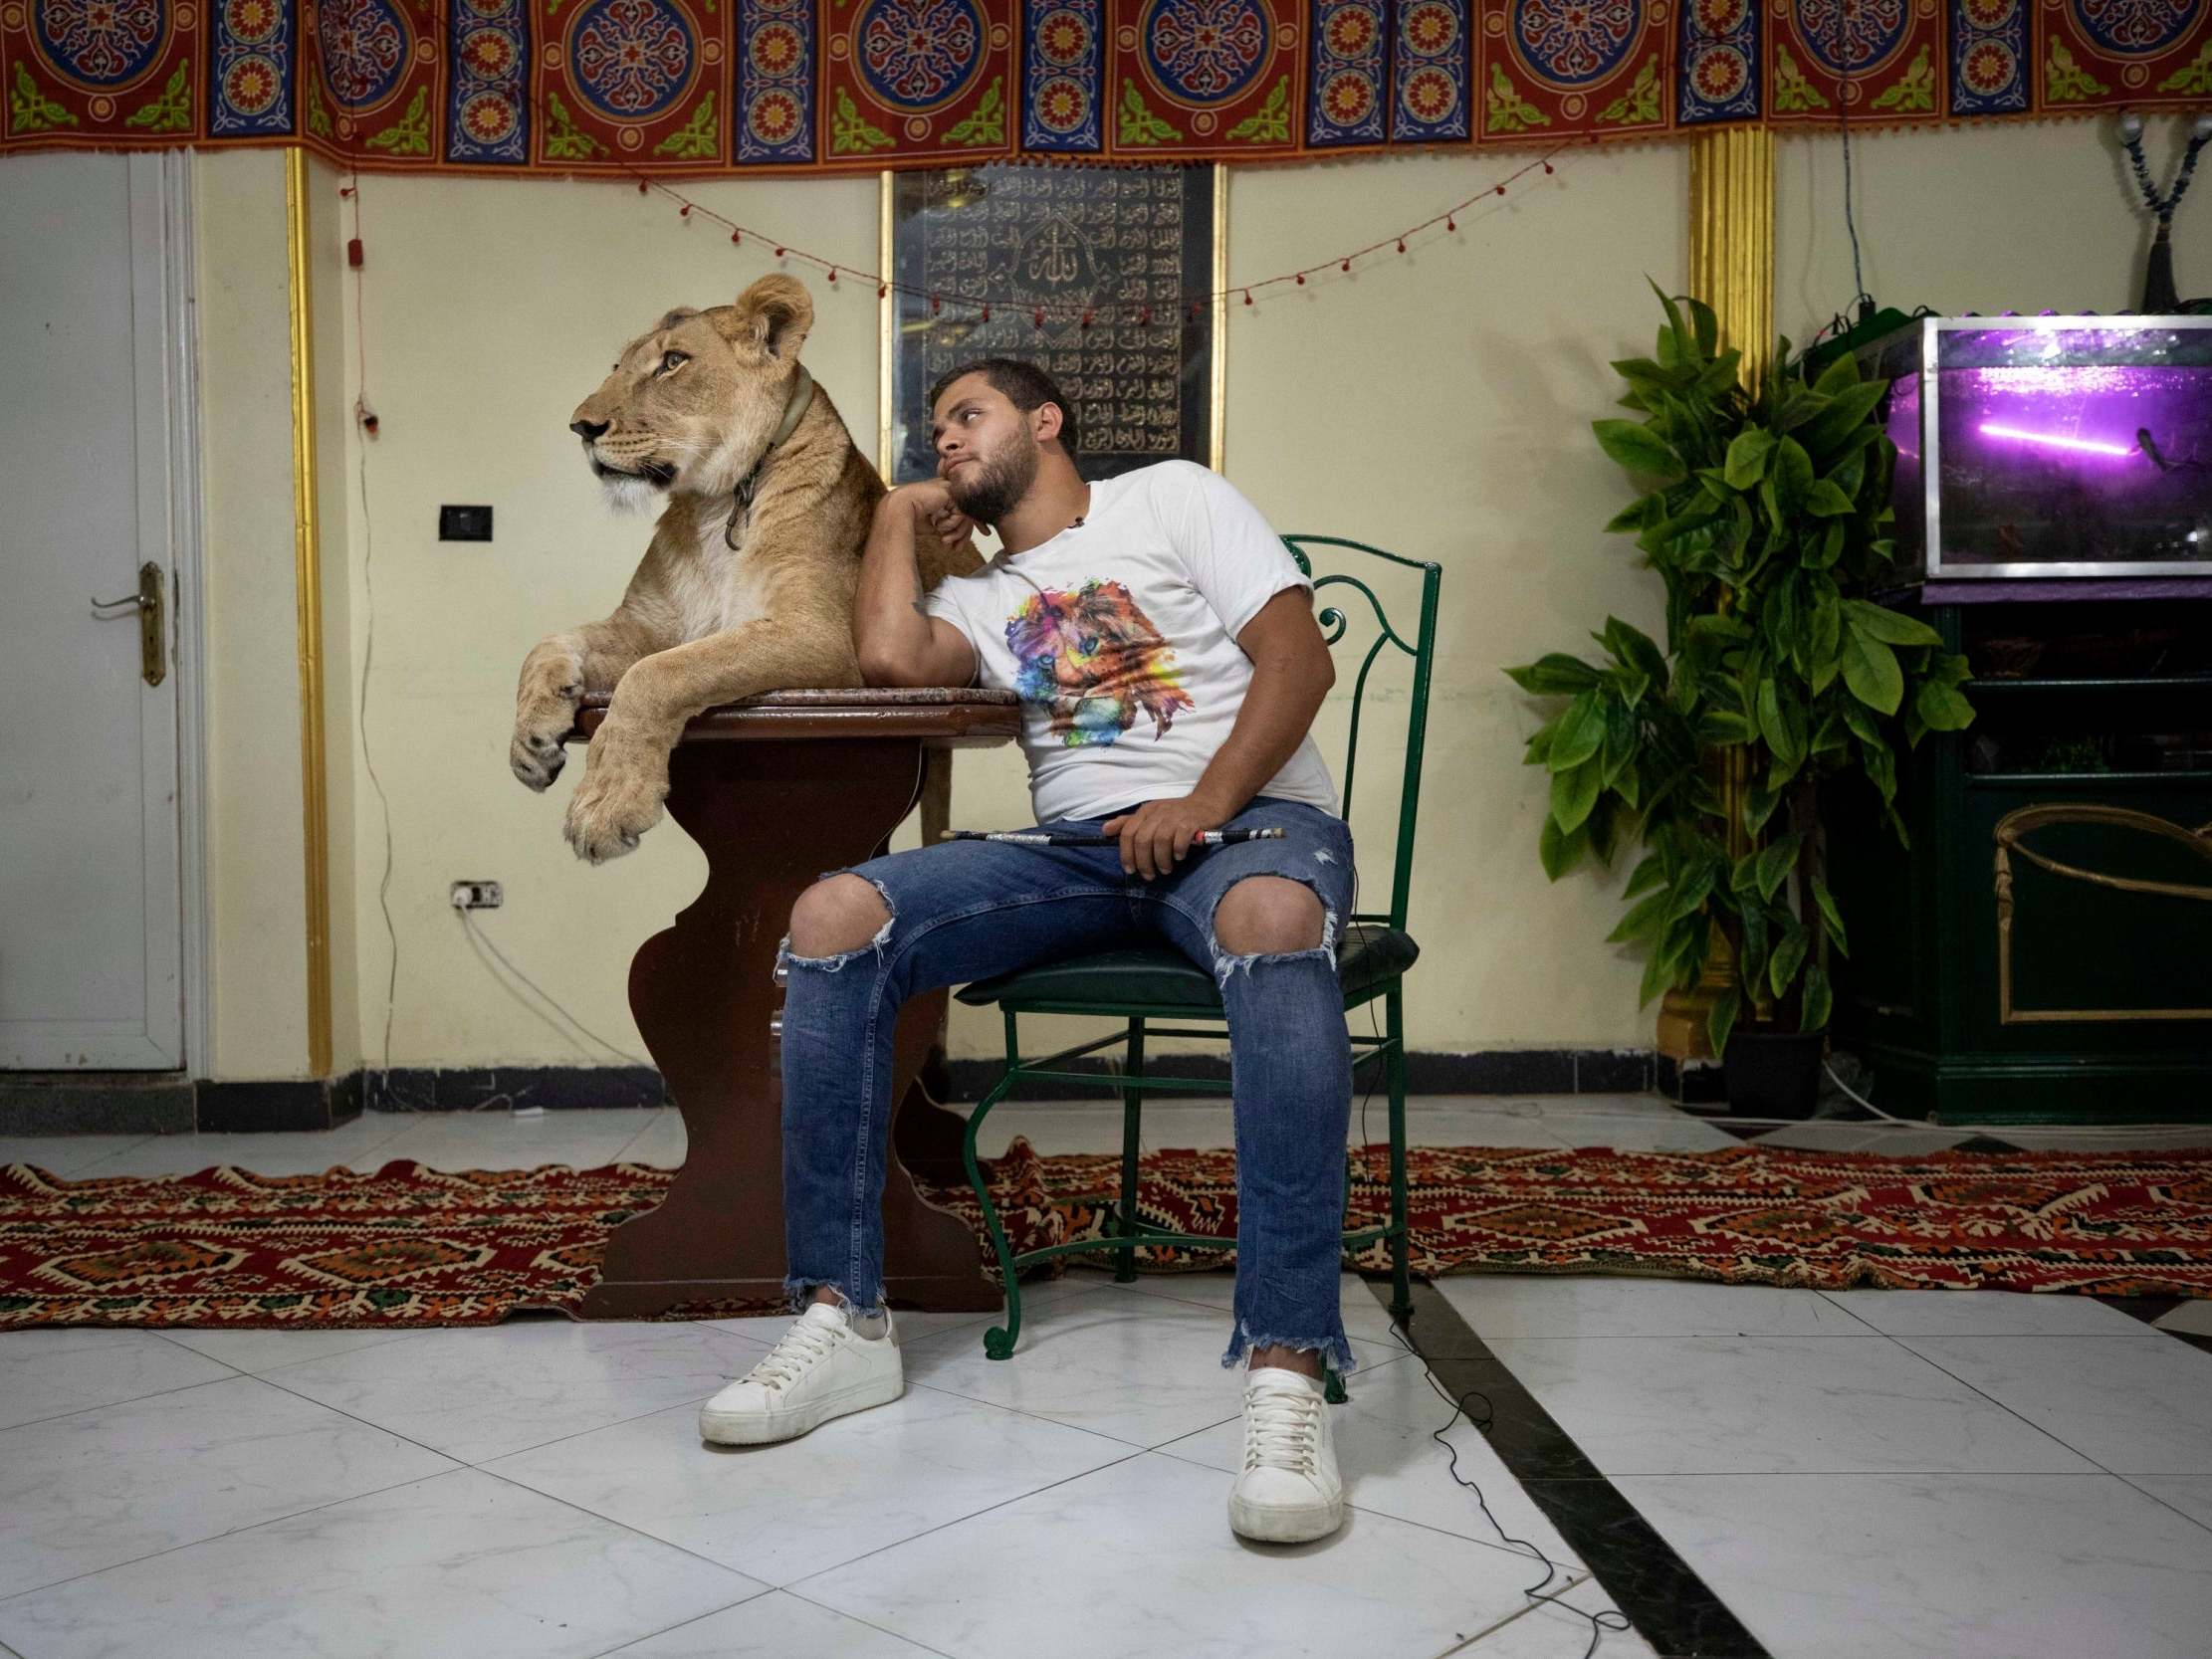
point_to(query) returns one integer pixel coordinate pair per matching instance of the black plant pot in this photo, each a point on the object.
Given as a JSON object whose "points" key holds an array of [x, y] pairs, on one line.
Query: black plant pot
{"points": [[1773, 1073]]}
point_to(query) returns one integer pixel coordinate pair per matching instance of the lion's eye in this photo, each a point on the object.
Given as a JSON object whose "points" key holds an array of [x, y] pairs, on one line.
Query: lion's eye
{"points": [[669, 359]]}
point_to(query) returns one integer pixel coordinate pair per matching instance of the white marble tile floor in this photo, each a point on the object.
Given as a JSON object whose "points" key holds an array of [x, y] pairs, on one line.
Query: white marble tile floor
{"points": [[1968, 1474]]}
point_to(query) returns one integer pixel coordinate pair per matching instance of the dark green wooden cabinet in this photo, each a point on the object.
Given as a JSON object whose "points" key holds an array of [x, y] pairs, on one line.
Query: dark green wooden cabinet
{"points": [[2044, 949]]}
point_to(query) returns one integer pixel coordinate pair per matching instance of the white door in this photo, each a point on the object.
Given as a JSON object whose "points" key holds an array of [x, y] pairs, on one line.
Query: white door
{"points": [[91, 479]]}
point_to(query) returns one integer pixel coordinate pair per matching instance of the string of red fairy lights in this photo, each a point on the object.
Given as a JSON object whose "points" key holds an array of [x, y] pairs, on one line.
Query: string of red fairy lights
{"points": [[1086, 311]]}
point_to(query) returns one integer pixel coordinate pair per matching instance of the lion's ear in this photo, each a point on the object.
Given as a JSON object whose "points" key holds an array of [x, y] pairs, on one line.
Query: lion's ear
{"points": [[775, 314]]}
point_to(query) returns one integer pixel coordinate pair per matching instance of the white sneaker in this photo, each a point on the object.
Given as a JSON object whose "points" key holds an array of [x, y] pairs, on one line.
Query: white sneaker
{"points": [[1289, 1491], [819, 1369]]}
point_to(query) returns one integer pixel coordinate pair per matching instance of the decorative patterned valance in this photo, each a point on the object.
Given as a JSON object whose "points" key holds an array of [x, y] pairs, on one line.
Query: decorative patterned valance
{"points": [[701, 87]]}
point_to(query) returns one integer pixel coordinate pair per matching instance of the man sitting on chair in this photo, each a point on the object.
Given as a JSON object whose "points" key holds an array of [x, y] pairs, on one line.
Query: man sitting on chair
{"points": [[1163, 643]]}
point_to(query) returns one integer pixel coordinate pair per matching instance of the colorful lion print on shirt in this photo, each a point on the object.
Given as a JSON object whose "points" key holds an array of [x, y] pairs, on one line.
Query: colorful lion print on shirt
{"points": [[1094, 660]]}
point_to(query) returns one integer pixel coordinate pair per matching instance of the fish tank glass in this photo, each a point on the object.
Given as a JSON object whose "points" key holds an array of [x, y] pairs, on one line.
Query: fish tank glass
{"points": [[2050, 445]]}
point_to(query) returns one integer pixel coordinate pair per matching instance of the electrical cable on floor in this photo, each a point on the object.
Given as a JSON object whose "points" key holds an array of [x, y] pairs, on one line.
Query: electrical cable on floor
{"points": [[1459, 1402]]}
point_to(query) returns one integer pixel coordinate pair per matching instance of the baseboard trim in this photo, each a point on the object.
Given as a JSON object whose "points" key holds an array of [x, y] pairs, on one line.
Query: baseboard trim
{"points": [[169, 1104]]}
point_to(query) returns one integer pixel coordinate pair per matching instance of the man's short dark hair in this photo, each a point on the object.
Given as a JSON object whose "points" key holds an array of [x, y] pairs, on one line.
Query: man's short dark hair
{"points": [[1022, 384]]}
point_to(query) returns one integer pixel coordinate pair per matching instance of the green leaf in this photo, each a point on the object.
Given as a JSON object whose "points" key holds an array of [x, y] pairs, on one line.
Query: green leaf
{"points": [[1828, 501], [1559, 851], [1641, 921], [1744, 876], [1787, 482], [1870, 671], [1819, 999], [1863, 724], [1685, 341], [1842, 372], [1617, 753], [1847, 411], [1554, 674], [1783, 730], [1637, 649], [1723, 728], [1722, 1021], [1634, 516], [1650, 874], [1539, 745], [1820, 649], [1880, 622], [1720, 374], [1758, 806], [1580, 730], [1573, 795], [1832, 916], [1692, 889], [1747, 457], [1832, 736], [1639, 448], [1775, 860], [1704, 324], [1788, 952], [1942, 708], [1751, 958], [1602, 829]]}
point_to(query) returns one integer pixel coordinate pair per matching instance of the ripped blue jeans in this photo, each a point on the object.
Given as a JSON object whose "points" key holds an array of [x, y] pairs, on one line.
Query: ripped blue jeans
{"points": [[963, 910]]}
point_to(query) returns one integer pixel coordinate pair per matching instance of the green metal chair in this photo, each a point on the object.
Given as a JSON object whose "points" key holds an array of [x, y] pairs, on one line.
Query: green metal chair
{"points": [[1159, 982]]}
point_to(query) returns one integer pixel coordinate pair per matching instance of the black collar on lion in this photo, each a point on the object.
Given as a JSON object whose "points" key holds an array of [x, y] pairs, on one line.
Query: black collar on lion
{"points": [[802, 390]]}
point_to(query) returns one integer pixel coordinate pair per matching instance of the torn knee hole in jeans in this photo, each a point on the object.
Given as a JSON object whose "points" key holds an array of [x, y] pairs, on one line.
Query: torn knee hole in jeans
{"points": [[1226, 962], [785, 955]]}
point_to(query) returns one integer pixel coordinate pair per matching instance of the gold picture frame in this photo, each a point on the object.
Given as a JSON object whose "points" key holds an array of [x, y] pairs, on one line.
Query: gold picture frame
{"points": [[888, 343]]}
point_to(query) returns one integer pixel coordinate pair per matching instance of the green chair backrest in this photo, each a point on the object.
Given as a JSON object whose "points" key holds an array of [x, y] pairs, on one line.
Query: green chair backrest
{"points": [[1422, 649]]}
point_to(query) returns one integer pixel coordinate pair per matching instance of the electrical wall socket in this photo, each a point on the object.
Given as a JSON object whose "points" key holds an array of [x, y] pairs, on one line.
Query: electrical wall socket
{"points": [[475, 895]]}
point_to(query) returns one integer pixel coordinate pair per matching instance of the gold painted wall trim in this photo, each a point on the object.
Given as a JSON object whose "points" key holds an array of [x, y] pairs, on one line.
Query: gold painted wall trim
{"points": [[1731, 239], [888, 319], [1731, 269], [307, 570]]}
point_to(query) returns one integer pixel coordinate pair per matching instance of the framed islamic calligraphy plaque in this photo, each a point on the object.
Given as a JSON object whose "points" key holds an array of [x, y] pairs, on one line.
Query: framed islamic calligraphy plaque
{"points": [[1111, 240]]}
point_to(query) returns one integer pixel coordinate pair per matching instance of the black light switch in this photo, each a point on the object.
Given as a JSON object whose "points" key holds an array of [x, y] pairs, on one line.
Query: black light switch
{"points": [[464, 523]]}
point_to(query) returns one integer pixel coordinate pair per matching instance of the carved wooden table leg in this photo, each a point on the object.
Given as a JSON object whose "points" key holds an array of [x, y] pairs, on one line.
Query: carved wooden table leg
{"points": [[771, 817]]}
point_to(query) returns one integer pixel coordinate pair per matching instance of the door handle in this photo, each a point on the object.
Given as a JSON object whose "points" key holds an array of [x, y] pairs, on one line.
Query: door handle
{"points": [[153, 632]]}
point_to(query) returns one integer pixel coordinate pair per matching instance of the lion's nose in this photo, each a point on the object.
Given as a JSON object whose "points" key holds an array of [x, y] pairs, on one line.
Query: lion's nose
{"points": [[587, 429]]}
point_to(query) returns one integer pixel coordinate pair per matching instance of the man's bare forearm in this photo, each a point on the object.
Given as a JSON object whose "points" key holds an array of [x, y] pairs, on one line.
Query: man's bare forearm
{"points": [[889, 625], [1278, 712]]}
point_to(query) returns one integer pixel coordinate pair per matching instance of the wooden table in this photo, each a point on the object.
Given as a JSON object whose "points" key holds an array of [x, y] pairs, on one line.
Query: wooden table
{"points": [[775, 790]]}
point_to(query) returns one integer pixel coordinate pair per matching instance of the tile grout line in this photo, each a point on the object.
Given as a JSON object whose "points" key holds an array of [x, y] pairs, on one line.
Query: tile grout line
{"points": [[2029, 1422], [2167, 1502], [216, 1538], [685, 1624], [1516, 1616], [791, 1588]]}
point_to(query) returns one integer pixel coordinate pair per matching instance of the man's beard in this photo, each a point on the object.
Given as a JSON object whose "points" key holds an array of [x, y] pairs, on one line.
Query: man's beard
{"points": [[991, 490]]}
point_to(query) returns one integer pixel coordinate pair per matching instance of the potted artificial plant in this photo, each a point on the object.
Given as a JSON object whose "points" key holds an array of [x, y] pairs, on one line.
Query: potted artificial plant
{"points": [[1766, 513]]}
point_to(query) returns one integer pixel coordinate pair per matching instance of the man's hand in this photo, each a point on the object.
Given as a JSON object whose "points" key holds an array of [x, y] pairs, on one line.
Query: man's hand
{"points": [[930, 502], [1158, 834]]}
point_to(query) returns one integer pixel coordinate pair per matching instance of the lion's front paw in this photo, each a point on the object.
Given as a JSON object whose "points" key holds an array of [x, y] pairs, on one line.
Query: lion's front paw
{"points": [[534, 753], [618, 801]]}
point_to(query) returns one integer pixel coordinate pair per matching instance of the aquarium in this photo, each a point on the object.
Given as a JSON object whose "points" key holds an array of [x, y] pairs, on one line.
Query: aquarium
{"points": [[2050, 445]]}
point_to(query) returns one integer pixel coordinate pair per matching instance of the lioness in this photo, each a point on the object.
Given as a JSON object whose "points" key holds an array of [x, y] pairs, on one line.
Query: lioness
{"points": [[749, 583]]}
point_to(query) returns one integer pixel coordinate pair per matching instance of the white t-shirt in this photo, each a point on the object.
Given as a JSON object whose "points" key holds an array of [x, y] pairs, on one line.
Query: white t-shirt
{"points": [[1120, 637]]}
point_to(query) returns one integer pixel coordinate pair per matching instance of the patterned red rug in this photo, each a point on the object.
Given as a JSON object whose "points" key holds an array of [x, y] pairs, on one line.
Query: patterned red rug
{"points": [[413, 1246]]}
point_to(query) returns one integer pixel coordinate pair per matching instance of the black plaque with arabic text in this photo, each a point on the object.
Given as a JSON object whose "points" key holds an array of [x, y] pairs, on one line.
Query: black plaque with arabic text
{"points": [[1112, 239]]}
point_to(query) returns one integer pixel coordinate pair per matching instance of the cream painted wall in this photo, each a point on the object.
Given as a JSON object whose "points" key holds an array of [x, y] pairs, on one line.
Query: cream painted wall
{"points": [[255, 894], [1437, 405]]}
